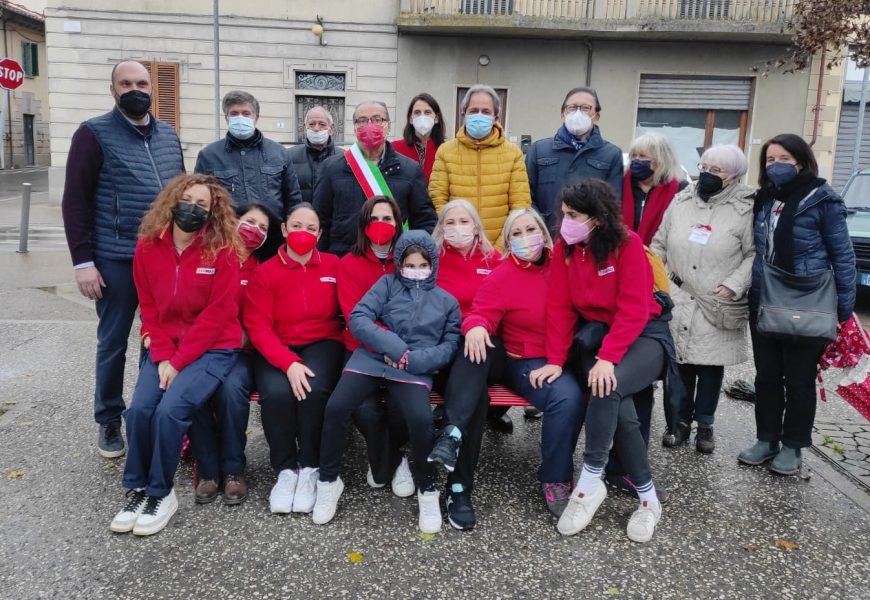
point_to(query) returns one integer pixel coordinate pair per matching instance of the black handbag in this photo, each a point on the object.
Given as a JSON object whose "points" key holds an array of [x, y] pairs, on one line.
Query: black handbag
{"points": [[797, 308]]}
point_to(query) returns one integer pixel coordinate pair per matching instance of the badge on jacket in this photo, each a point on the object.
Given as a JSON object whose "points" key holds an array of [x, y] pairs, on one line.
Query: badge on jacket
{"points": [[701, 234]]}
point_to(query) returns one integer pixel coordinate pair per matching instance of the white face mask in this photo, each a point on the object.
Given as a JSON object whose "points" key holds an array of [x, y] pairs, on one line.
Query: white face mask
{"points": [[317, 137], [423, 124], [415, 274], [459, 236], [578, 122]]}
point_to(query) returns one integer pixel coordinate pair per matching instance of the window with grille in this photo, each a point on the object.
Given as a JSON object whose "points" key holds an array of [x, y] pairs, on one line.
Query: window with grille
{"points": [[165, 79], [30, 58]]}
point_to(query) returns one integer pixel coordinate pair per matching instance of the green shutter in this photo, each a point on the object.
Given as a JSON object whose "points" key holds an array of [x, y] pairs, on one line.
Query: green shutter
{"points": [[30, 58], [34, 59]]}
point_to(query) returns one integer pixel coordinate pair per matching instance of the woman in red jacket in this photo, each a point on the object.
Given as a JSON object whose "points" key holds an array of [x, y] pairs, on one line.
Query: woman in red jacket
{"points": [[291, 313], [186, 269], [600, 273], [424, 132]]}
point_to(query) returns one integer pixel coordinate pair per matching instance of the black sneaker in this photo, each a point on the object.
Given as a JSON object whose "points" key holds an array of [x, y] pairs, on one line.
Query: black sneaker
{"points": [[446, 451], [460, 512], [624, 484], [501, 422], [704, 441], [677, 438], [110, 444]]}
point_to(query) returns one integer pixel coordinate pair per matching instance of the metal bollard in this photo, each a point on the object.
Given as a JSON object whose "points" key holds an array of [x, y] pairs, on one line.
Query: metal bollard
{"points": [[24, 227]]}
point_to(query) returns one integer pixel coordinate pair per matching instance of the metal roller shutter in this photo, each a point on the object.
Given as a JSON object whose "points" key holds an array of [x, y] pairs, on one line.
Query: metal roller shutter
{"points": [[846, 137], [710, 93]]}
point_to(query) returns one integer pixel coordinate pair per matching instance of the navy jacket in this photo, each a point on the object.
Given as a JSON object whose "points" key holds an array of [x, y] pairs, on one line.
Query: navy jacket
{"points": [[307, 162], [338, 198], [821, 242], [551, 163], [136, 167], [419, 317], [261, 172]]}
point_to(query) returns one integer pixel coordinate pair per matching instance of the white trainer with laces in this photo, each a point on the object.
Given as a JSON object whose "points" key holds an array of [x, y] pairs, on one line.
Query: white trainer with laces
{"points": [[306, 490], [580, 510], [642, 524], [281, 498], [403, 482], [370, 479], [156, 514], [328, 493], [430, 511], [126, 518]]}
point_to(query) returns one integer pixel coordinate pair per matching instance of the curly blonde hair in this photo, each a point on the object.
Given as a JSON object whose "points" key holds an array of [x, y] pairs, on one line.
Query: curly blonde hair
{"points": [[219, 231]]}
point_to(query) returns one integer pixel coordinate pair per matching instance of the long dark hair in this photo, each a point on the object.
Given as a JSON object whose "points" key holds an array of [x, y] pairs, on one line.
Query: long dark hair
{"points": [[437, 135], [274, 238], [797, 147], [596, 199], [363, 243]]}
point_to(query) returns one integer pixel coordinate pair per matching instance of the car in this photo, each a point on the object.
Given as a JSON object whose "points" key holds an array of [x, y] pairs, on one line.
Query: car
{"points": [[856, 195]]}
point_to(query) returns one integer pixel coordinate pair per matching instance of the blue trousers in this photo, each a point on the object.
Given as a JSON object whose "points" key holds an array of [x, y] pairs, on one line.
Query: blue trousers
{"points": [[218, 433], [564, 410], [703, 386], [116, 311], [157, 420]]}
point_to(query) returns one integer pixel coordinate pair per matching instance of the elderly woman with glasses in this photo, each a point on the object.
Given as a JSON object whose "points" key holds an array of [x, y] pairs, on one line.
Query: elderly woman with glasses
{"points": [[706, 241]]}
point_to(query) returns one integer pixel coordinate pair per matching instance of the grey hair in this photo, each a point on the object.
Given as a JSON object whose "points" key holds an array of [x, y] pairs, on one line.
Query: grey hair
{"points": [[660, 149], [438, 233], [509, 223], [378, 102], [239, 97], [318, 107], [729, 158], [478, 89]]}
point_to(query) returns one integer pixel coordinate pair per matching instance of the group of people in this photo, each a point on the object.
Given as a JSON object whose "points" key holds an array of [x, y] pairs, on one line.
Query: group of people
{"points": [[346, 285]]}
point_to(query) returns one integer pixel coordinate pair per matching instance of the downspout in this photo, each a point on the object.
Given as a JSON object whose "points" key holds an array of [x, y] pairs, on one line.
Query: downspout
{"points": [[588, 62], [818, 108]]}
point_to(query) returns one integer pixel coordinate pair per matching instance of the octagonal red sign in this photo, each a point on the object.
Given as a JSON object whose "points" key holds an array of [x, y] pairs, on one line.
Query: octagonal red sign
{"points": [[11, 74]]}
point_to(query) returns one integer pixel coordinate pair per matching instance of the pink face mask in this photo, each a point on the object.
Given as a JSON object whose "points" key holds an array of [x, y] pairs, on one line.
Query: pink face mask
{"points": [[574, 232], [371, 136]]}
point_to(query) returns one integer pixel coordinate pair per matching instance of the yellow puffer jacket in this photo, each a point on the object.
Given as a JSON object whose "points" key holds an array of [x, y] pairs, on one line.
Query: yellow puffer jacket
{"points": [[490, 173]]}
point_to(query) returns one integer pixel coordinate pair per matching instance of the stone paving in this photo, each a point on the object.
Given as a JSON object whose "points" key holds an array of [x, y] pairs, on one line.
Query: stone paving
{"points": [[847, 445]]}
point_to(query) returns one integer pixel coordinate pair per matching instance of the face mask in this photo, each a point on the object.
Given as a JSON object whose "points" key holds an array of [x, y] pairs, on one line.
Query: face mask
{"points": [[578, 122], [459, 236], [241, 127], [301, 242], [708, 185], [134, 104], [380, 233], [317, 138], [371, 136], [252, 236], [478, 125], [415, 274], [423, 124], [574, 232], [189, 217], [528, 247], [781, 173], [641, 169]]}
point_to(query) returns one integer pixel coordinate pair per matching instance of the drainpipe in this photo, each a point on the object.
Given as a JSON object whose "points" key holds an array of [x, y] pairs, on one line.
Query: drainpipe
{"points": [[818, 107], [588, 62]]}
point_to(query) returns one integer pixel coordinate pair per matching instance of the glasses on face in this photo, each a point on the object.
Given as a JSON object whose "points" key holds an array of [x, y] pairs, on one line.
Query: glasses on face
{"points": [[584, 108], [712, 170], [376, 120]]}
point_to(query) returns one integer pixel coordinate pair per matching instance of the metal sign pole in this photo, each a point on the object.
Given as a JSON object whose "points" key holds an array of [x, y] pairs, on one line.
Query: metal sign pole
{"points": [[217, 72], [24, 226]]}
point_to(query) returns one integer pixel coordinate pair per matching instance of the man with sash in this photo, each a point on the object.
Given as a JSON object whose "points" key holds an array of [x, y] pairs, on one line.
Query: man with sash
{"points": [[370, 167]]}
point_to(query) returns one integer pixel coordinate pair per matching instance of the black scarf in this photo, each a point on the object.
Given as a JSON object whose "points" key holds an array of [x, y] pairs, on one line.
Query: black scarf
{"points": [[790, 195]]}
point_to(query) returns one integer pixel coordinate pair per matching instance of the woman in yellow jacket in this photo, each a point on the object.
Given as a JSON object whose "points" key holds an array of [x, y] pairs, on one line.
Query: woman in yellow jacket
{"points": [[481, 166]]}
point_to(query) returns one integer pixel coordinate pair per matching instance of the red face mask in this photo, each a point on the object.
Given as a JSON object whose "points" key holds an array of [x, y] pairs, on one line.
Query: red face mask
{"points": [[380, 232], [371, 136], [252, 236], [301, 242]]}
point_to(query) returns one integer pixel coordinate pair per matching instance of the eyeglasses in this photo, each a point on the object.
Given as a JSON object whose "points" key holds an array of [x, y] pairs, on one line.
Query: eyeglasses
{"points": [[584, 108], [709, 169], [374, 120]]}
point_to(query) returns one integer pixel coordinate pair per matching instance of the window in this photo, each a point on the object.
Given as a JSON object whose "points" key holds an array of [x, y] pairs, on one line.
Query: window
{"points": [[30, 58], [460, 94], [164, 91]]}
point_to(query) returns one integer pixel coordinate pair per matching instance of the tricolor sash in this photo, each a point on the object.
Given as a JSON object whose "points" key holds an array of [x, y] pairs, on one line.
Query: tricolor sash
{"points": [[367, 173]]}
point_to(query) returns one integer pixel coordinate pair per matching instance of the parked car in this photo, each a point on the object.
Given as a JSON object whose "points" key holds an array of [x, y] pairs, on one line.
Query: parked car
{"points": [[856, 195]]}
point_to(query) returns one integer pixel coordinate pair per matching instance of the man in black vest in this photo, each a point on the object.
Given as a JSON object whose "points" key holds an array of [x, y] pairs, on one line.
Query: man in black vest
{"points": [[308, 157], [117, 164]]}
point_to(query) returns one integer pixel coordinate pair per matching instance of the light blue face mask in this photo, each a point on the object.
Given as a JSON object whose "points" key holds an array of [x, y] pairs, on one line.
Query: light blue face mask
{"points": [[241, 127], [478, 125]]}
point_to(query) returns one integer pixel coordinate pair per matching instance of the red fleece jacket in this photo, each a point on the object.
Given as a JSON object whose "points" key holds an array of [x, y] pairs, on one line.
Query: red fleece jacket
{"points": [[356, 276], [461, 276]]}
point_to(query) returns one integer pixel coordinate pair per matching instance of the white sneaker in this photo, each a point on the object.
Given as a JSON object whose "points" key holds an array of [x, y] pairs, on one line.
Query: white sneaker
{"points": [[156, 514], [370, 479], [580, 510], [306, 490], [403, 482], [126, 518], [642, 523], [430, 511], [328, 493], [281, 498]]}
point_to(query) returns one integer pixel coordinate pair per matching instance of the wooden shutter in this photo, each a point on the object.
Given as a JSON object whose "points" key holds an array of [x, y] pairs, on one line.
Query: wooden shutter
{"points": [[165, 91]]}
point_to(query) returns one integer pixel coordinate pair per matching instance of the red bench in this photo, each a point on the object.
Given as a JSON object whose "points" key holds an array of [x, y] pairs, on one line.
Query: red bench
{"points": [[499, 395]]}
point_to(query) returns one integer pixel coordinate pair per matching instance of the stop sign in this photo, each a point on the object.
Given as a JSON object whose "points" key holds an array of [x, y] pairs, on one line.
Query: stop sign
{"points": [[11, 74]]}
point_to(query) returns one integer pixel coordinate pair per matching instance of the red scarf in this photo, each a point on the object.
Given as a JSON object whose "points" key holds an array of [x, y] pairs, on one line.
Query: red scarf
{"points": [[656, 204]]}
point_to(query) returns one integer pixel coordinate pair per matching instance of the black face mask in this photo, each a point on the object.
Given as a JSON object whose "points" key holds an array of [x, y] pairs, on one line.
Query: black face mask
{"points": [[189, 217], [134, 103], [708, 185]]}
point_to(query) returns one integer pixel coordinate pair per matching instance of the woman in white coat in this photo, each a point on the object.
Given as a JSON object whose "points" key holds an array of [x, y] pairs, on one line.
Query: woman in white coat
{"points": [[706, 241]]}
